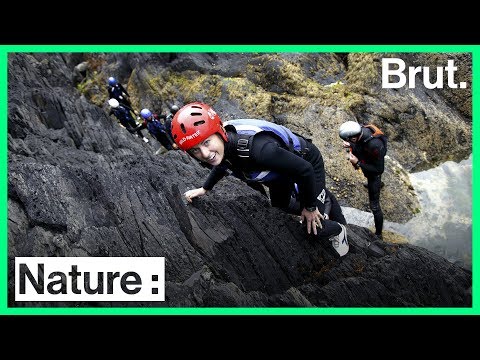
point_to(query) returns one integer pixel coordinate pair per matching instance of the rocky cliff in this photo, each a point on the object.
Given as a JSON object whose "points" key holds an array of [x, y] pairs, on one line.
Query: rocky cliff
{"points": [[80, 185]]}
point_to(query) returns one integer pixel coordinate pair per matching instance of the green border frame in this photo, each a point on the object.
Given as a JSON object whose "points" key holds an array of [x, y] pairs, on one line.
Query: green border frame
{"points": [[5, 49]]}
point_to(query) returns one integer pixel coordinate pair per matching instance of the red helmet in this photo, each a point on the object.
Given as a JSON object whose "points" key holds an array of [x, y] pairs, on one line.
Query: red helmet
{"points": [[195, 122]]}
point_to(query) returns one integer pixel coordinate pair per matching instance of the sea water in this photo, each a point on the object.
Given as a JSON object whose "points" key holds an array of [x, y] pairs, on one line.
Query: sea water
{"points": [[444, 223]]}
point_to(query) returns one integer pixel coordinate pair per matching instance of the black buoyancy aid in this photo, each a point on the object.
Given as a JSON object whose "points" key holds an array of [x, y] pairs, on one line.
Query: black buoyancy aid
{"points": [[376, 133]]}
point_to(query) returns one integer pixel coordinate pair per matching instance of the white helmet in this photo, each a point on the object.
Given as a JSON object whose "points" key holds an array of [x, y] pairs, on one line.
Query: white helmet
{"points": [[349, 129], [113, 103]]}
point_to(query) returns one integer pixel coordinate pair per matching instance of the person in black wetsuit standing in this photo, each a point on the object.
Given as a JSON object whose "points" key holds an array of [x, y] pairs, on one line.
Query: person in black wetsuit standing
{"points": [[368, 149], [261, 151]]}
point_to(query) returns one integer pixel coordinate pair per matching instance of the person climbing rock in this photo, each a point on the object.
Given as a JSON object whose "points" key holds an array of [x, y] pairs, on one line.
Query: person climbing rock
{"points": [[117, 91], [262, 151], [123, 114], [168, 120], [368, 147], [152, 123]]}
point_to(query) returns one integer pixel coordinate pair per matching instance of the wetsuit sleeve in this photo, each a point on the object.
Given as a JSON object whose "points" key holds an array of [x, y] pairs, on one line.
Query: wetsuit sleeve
{"points": [[143, 125], [217, 173], [328, 205], [267, 152], [375, 163], [128, 108]]}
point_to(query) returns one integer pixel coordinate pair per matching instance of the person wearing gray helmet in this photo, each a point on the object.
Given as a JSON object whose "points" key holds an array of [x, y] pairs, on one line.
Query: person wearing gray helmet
{"points": [[368, 147]]}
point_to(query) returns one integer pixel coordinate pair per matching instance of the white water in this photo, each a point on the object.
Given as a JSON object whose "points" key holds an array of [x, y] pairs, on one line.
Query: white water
{"points": [[444, 224]]}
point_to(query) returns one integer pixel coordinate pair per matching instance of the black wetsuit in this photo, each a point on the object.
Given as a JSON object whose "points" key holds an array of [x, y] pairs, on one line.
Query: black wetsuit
{"points": [[117, 92], [158, 130], [168, 124], [122, 113], [267, 152], [370, 152]]}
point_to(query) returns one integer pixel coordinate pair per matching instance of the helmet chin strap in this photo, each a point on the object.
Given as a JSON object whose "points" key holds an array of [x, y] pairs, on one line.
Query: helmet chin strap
{"points": [[226, 134], [360, 136]]}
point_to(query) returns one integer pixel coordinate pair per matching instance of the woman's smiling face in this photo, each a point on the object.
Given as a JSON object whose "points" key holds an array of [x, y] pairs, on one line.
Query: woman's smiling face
{"points": [[211, 150]]}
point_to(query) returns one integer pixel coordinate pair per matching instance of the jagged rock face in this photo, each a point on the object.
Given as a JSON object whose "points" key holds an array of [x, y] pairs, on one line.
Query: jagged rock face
{"points": [[80, 185]]}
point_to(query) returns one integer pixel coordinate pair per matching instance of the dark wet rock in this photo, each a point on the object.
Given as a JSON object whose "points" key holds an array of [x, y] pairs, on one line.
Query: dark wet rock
{"points": [[81, 185]]}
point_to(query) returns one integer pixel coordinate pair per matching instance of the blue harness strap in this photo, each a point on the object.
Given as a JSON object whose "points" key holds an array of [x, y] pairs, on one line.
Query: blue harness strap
{"points": [[246, 128]]}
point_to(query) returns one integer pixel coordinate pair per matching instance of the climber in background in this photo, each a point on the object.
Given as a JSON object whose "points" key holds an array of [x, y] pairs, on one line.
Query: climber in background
{"points": [[168, 122], [368, 147], [122, 113], [152, 123], [118, 92]]}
